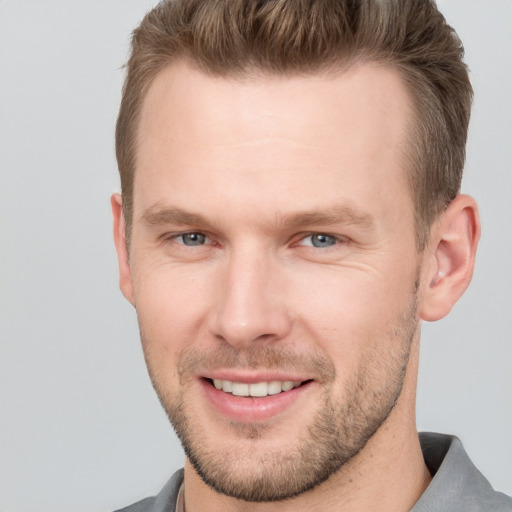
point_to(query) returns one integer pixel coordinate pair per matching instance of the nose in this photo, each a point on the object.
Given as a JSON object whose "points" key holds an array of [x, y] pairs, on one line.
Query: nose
{"points": [[251, 303]]}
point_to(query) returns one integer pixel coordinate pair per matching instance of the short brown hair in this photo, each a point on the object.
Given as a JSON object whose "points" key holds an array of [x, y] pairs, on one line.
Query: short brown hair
{"points": [[233, 37]]}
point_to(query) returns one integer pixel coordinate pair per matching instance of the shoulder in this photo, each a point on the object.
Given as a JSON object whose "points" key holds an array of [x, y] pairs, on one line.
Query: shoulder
{"points": [[141, 506], [165, 501], [457, 485]]}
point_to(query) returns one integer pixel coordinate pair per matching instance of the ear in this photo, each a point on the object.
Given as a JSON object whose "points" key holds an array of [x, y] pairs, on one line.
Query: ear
{"points": [[123, 257], [450, 258]]}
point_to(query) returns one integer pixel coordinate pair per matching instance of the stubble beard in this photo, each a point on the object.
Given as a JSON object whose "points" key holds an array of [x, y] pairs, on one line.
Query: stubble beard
{"points": [[338, 432]]}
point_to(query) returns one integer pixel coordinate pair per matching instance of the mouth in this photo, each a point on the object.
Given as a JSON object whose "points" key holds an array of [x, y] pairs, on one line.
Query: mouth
{"points": [[248, 398], [256, 389]]}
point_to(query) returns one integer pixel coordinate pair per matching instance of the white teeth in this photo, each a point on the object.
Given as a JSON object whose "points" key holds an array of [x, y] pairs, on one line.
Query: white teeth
{"points": [[227, 386], [240, 389], [274, 387], [257, 389], [287, 385]]}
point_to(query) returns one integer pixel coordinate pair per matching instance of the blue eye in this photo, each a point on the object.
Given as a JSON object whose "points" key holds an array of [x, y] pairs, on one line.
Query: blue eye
{"points": [[192, 239], [319, 240]]}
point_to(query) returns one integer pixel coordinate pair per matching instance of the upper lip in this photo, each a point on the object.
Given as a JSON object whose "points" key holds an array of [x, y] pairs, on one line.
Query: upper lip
{"points": [[251, 377]]}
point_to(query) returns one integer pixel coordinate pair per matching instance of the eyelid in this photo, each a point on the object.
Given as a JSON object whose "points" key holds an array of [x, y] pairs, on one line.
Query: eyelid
{"points": [[339, 239], [176, 235]]}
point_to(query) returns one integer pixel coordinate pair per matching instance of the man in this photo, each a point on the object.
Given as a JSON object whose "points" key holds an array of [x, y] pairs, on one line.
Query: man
{"points": [[289, 214]]}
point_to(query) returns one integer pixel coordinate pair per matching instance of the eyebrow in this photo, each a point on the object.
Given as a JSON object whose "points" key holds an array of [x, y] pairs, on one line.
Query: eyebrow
{"points": [[345, 214], [158, 215]]}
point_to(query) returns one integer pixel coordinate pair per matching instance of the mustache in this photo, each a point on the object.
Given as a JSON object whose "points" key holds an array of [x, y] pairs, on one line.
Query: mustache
{"points": [[269, 357]]}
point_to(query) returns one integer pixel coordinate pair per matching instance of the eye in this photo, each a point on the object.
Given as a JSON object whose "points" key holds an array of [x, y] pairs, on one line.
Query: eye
{"points": [[191, 239], [319, 240]]}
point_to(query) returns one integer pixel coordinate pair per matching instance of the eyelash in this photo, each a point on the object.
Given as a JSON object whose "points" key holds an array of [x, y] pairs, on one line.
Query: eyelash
{"points": [[334, 238], [176, 236], [337, 240]]}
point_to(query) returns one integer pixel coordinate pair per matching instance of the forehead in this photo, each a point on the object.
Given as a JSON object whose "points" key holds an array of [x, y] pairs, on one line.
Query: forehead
{"points": [[228, 107], [340, 134]]}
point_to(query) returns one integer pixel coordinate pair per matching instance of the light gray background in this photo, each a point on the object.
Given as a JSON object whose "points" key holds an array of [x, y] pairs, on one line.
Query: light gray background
{"points": [[81, 429]]}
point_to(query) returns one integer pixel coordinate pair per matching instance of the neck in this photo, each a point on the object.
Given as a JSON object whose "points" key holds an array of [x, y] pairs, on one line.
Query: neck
{"points": [[388, 474]]}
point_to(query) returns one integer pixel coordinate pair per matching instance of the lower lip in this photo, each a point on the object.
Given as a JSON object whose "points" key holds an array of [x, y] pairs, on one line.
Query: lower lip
{"points": [[251, 409]]}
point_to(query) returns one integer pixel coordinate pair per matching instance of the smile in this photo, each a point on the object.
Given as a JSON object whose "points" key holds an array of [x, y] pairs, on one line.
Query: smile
{"points": [[258, 389], [250, 398]]}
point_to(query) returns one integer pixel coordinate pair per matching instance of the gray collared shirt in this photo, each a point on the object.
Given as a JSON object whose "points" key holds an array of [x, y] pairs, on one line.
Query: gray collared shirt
{"points": [[457, 485]]}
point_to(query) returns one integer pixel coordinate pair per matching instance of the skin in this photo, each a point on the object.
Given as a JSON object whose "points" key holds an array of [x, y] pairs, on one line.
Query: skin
{"points": [[255, 166]]}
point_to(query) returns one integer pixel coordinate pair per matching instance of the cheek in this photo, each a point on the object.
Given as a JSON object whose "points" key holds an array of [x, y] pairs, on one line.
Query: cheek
{"points": [[171, 307], [348, 310]]}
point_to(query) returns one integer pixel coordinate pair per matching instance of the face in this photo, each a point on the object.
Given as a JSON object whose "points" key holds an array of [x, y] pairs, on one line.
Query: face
{"points": [[273, 269]]}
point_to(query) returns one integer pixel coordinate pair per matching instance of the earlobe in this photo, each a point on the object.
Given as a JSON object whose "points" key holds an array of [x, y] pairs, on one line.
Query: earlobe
{"points": [[125, 277], [453, 242]]}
